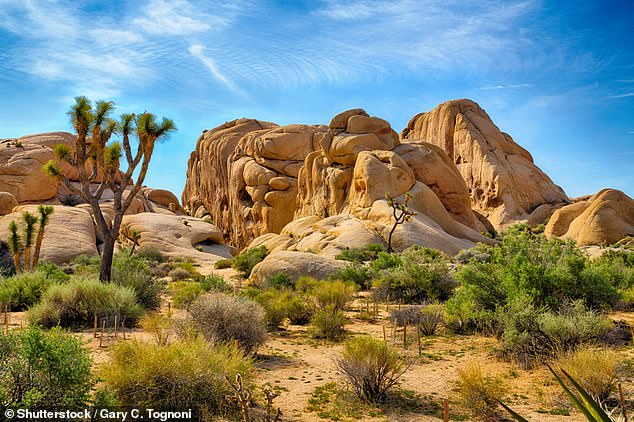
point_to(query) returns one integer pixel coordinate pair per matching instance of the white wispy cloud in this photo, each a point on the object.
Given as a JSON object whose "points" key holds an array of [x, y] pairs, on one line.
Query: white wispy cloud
{"points": [[509, 86], [174, 17], [625, 95], [198, 51]]}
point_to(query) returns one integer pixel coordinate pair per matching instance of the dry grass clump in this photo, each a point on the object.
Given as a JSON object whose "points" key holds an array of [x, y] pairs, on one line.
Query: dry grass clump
{"points": [[478, 393], [597, 370], [177, 376]]}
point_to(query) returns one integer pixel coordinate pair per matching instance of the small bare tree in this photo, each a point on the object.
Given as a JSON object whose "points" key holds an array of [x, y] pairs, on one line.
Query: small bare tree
{"points": [[402, 214], [94, 152]]}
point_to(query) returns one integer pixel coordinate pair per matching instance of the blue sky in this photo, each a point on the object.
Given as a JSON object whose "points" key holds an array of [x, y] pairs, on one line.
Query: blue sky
{"points": [[557, 76]]}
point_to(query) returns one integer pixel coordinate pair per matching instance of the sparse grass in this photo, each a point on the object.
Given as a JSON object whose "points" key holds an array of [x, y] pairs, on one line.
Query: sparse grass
{"points": [[478, 393], [222, 264], [328, 324]]}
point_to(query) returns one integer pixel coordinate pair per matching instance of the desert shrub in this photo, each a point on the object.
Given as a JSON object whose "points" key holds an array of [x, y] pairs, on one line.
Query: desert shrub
{"points": [[215, 282], [597, 370], [283, 304], [25, 289], [466, 314], [184, 293], [367, 253], [44, 370], [333, 294], [305, 284], [477, 392], [220, 317], [85, 264], [158, 325], [52, 271], [150, 253], [355, 273], [135, 274], [531, 334], [222, 264], [247, 259], [423, 275], [551, 272], [385, 260], [427, 318], [279, 280], [371, 367], [475, 254], [177, 376], [178, 274], [75, 303], [189, 266], [328, 323]]}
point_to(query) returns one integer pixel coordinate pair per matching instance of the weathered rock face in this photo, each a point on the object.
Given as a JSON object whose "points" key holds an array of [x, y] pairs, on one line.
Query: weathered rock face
{"points": [[70, 232], [603, 219], [295, 264], [244, 174], [505, 185], [7, 203]]}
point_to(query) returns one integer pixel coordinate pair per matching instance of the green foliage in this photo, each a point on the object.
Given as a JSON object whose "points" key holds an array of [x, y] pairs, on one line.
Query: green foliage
{"points": [[177, 376], [178, 274], [184, 293], [328, 324], [221, 317], [333, 294], [150, 253], [134, 273], [279, 280], [355, 273], [223, 263], [75, 303], [371, 367], [215, 282], [385, 260], [477, 392], [282, 304], [62, 151], [423, 275], [531, 334], [247, 259], [24, 290], [44, 370], [52, 169], [6, 260], [360, 255]]}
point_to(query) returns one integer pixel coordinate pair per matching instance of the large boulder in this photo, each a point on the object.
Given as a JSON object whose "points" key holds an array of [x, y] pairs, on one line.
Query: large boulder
{"points": [[69, 233], [178, 236], [603, 219], [7, 203], [504, 183], [295, 264]]}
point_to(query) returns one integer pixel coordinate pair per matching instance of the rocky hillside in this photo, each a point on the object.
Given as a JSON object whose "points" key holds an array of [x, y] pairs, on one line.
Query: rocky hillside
{"points": [[156, 214]]}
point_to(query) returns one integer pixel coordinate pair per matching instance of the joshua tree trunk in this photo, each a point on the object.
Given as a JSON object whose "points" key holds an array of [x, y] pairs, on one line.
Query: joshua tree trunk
{"points": [[105, 271], [27, 259], [17, 263], [45, 212]]}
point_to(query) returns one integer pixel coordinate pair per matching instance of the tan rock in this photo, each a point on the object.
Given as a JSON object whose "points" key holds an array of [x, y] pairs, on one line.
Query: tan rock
{"points": [[603, 219], [70, 232], [295, 264], [505, 185], [176, 235], [7, 203], [162, 197]]}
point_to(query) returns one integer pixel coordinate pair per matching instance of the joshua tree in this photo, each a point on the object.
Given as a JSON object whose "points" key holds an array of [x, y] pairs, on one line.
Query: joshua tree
{"points": [[30, 221], [401, 213], [102, 158], [15, 244], [134, 237], [45, 212]]}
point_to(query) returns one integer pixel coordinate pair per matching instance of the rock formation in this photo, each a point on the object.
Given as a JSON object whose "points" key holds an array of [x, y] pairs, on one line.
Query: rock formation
{"points": [[602, 219], [505, 185], [71, 230]]}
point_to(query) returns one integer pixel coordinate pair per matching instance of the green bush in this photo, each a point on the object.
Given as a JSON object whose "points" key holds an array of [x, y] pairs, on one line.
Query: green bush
{"points": [[135, 274], [44, 370], [223, 263], [531, 334], [25, 289], [221, 317], [423, 275], [360, 255], [150, 253], [333, 294], [282, 304], [371, 367], [355, 273], [177, 376], [215, 282], [6, 260], [329, 324], [385, 260], [75, 304], [279, 280], [247, 259], [184, 293]]}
